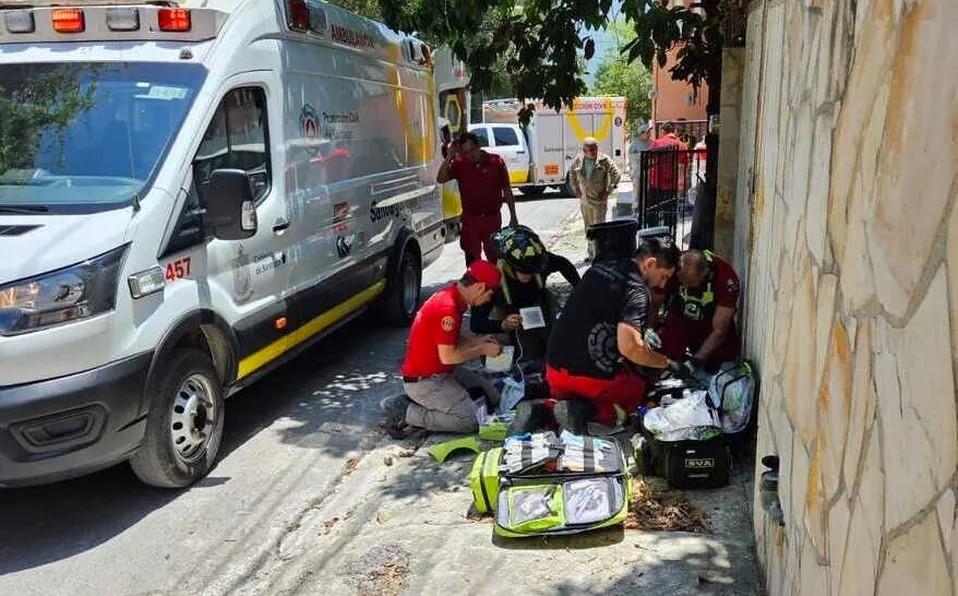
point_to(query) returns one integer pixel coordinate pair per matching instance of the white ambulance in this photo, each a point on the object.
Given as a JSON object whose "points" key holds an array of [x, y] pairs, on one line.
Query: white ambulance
{"points": [[540, 156], [190, 194]]}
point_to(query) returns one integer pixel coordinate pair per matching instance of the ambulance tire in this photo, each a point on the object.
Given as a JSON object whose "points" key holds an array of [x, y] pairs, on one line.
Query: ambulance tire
{"points": [[566, 189], [533, 191], [403, 288], [186, 402]]}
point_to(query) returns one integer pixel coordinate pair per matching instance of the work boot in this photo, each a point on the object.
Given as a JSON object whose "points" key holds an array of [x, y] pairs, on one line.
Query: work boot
{"points": [[574, 415], [531, 416], [394, 415]]}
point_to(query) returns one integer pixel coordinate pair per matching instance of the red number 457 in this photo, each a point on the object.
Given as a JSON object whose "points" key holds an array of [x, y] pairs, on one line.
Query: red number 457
{"points": [[178, 269]]}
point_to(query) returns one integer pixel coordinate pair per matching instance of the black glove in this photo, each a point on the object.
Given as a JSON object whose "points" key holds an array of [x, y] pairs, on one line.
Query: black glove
{"points": [[681, 370]]}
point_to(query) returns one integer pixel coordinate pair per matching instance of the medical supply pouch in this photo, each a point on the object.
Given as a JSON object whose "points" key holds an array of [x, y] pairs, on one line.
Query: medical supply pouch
{"points": [[484, 480], [552, 485], [732, 393]]}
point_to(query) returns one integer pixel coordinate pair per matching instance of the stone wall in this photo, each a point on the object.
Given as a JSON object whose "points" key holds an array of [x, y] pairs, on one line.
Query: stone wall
{"points": [[848, 237], [733, 71]]}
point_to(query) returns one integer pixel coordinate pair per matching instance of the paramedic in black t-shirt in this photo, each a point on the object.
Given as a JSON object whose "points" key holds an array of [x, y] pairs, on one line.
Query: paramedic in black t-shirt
{"points": [[597, 345]]}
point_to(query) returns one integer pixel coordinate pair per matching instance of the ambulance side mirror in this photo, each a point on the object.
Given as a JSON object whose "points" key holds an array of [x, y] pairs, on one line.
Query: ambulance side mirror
{"points": [[230, 207]]}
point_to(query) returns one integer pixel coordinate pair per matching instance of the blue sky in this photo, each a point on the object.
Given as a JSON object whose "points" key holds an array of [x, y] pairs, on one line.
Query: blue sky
{"points": [[604, 41]]}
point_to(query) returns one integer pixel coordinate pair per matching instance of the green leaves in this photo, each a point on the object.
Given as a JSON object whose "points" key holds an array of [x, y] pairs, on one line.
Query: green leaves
{"points": [[539, 46]]}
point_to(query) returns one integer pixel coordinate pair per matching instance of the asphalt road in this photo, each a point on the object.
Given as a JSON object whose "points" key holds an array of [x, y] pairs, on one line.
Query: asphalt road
{"points": [[290, 440]]}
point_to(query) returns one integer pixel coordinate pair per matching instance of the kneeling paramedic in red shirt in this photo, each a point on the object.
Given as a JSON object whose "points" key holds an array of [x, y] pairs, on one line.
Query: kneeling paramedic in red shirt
{"points": [[436, 391], [700, 312], [597, 345]]}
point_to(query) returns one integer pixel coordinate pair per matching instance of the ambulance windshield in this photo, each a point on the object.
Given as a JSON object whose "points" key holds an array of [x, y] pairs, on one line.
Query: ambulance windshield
{"points": [[87, 134]]}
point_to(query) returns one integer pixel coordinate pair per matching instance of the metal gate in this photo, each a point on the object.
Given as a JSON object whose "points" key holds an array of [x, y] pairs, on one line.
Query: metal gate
{"points": [[667, 185]]}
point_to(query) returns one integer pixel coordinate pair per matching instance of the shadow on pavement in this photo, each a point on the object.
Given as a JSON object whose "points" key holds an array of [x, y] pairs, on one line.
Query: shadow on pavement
{"points": [[587, 541], [43, 524], [700, 569]]}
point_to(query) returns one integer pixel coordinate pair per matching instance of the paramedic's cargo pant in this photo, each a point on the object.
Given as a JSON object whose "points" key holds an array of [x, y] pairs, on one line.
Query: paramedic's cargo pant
{"points": [[626, 390], [443, 403], [476, 235]]}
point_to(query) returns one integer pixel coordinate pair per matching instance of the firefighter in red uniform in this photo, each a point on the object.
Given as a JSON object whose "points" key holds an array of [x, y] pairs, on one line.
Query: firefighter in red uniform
{"points": [[700, 312], [437, 390], [484, 186]]}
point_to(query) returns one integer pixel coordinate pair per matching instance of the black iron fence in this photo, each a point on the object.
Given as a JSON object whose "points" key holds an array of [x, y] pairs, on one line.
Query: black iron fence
{"points": [[667, 184]]}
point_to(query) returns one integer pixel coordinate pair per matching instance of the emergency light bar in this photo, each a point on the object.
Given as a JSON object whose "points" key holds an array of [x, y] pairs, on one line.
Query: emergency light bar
{"points": [[82, 3], [37, 21]]}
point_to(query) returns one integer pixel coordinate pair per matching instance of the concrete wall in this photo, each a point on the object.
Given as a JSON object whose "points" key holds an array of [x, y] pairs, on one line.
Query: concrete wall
{"points": [[850, 243]]}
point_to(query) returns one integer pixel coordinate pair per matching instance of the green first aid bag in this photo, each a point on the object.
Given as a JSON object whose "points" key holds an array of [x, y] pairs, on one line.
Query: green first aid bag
{"points": [[484, 480], [583, 487]]}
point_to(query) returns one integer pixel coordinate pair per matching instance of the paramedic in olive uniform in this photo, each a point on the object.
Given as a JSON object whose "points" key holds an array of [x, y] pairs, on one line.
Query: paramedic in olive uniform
{"points": [[700, 304]]}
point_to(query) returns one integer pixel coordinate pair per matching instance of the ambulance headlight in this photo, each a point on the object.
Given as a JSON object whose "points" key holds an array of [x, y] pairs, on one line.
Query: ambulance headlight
{"points": [[76, 292]]}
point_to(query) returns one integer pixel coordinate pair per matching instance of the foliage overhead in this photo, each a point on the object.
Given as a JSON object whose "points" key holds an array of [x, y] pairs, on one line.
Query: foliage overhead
{"points": [[616, 75], [541, 43], [367, 8]]}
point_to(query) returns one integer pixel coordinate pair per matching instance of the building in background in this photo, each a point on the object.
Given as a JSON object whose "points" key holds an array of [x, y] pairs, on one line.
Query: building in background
{"points": [[676, 101]]}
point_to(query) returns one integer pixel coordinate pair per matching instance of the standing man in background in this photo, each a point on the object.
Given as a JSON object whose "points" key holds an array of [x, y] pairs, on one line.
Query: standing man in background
{"points": [[484, 186], [641, 142], [594, 177]]}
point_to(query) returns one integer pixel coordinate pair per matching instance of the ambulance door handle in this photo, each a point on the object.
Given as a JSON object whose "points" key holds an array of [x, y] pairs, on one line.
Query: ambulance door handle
{"points": [[280, 226]]}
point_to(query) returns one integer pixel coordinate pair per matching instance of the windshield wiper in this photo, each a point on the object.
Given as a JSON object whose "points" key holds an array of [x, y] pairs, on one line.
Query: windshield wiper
{"points": [[24, 209]]}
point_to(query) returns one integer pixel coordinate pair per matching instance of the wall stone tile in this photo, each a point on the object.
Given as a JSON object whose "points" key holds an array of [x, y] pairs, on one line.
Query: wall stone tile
{"points": [[951, 252], [916, 564], [825, 290], [800, 376], [916, 163], [839, 520], [946, 520], [798, 469], [816, 209], [814, 577], [862, 412], [859, 564], [866, 88], [919, 422], [834, 409]]}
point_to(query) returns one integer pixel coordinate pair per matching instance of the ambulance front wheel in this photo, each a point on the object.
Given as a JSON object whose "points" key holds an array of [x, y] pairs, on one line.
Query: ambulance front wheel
{"points": [[402, 291], [185, 424]]}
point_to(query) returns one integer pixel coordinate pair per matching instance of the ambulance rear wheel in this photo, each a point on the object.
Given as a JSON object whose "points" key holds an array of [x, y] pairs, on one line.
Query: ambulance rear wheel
{"points": [[533, 191], [566, 189], [402, 291], [185, 425]]}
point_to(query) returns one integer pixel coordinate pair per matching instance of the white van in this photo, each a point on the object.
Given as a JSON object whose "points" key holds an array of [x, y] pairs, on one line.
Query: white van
{"points": [[190, 194], [540, 157]]}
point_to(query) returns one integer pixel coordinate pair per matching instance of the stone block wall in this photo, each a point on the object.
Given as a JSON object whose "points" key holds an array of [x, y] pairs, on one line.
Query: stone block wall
{"points": [[848, 234]]}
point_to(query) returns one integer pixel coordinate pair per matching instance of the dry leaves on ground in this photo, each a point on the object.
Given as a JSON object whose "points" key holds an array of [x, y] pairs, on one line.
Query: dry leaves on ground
{"points": [[350, 466], [662, 509], [383, 571]]}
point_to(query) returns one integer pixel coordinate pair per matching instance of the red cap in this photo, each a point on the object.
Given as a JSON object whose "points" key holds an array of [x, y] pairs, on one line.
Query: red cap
{"points": [[485, 272]]}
